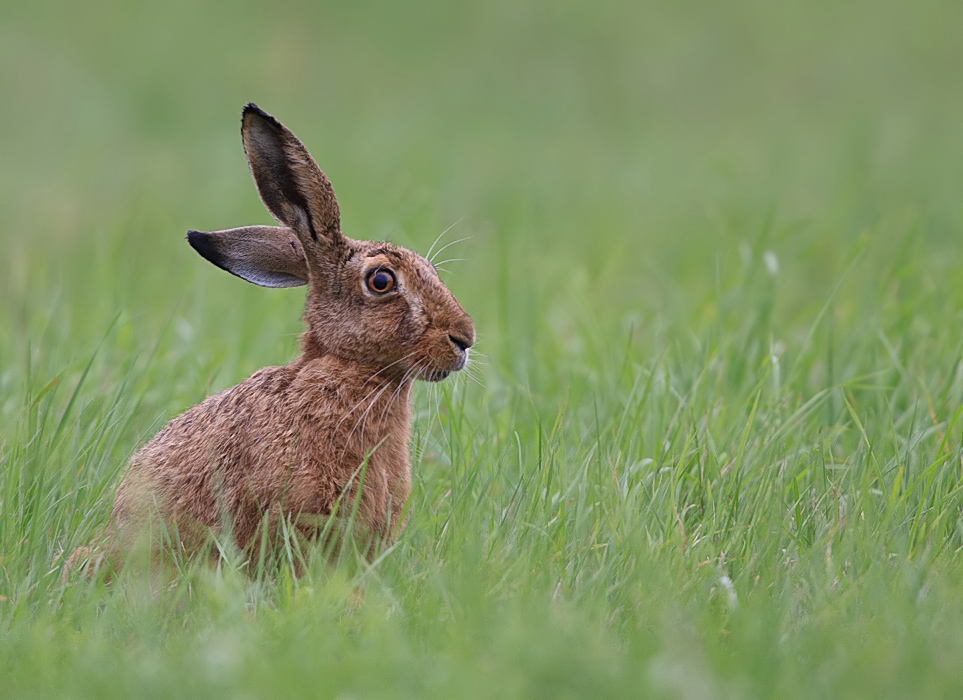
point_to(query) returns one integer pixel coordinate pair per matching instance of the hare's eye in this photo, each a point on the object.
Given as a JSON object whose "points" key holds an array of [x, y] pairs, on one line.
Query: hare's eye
{"points": [[381, 281]]}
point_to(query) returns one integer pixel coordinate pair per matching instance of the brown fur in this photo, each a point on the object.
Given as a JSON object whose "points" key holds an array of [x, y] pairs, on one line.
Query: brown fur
{"points": [[291, 441]]}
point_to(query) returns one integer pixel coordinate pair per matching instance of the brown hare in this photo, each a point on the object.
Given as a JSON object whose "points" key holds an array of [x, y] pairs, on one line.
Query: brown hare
{"points": [[331, 428]]}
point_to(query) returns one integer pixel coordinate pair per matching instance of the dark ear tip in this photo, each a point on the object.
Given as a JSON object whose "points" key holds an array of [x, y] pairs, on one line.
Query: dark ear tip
{"points": [[205, 245], [251, 107], [201, 242], [252, 110]]}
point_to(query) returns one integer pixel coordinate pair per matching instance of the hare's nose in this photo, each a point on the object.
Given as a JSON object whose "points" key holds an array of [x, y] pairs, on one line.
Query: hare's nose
{"points": [[461, 333], [459, 342]]}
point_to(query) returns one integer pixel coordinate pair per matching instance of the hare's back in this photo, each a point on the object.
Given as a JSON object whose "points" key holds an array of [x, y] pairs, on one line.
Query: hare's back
{"points": [[231, 441]]}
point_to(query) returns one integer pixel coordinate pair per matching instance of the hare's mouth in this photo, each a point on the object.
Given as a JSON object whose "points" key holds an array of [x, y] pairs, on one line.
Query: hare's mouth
{"points": [[437, 370], [435, 375]]}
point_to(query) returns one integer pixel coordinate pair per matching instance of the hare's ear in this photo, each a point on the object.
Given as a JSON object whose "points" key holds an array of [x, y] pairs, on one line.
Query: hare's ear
{"points": [[268, 256], [290, 183]]}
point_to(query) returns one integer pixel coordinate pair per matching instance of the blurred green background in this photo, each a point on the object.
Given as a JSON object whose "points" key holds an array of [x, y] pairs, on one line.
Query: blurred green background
{"points": [[712, 258], [623, 149]]}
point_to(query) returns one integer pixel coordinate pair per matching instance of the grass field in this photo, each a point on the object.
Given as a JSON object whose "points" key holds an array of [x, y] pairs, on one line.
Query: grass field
{"points": [[713, 258]]}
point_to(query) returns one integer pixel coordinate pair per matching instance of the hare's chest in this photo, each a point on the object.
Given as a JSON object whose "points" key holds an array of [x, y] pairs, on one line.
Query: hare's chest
{"points": [[391, 460]]}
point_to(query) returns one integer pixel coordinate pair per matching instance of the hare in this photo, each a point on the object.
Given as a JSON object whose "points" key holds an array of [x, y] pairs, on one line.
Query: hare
{"points": [[332, 426]]}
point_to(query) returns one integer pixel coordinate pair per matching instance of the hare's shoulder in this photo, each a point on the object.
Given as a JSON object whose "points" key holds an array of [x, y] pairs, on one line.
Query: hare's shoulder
{"points": [[262, 392]]}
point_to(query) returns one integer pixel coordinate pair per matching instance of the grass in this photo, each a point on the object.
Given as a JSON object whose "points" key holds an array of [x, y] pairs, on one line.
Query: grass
{"points": [[715, 448]]}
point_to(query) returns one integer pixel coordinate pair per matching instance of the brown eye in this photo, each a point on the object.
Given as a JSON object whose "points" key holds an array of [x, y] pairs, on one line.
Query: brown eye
{"points": [[381, 281]]}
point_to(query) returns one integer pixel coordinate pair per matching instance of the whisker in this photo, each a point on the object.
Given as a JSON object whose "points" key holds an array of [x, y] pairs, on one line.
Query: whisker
{"points": [[433, 410], [366, 396], [449, 245], [345, 416], [361, 418], [472, 377], [433, 403], [471, 367], [391, 365], [441, 235], [476, 363], [397, 392]]}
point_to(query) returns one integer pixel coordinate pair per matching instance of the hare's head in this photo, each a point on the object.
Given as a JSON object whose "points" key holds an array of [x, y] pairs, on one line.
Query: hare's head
{"points": [[371, 303]]}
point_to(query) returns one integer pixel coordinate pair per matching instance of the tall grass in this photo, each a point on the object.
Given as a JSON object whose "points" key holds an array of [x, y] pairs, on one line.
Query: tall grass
{"points": [[712, 445]]}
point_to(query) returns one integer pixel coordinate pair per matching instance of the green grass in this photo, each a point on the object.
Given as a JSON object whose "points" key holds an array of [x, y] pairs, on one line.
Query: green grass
{"points": [[715, 448]]}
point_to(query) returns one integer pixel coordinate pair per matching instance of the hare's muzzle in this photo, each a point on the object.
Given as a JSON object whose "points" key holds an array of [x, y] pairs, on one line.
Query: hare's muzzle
{"points": [[461, 347], [461, 336]]}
